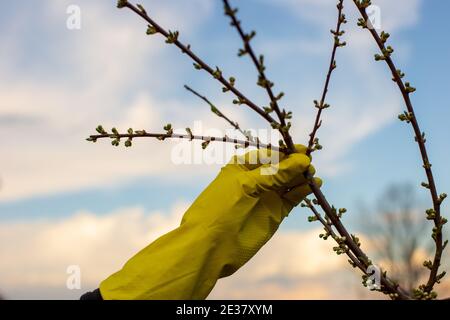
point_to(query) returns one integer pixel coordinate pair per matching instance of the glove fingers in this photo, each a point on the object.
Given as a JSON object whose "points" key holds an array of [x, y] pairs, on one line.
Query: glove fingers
{"points": [[256, 158], [296, 195], [300, 179], [285, 173], [299, 148]]}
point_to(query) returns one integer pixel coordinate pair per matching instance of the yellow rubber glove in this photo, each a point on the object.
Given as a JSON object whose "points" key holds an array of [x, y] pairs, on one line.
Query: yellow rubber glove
{"points": [[225, 227]]}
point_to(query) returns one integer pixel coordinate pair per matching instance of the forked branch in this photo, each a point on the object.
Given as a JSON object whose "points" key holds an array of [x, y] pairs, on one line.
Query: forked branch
{"points": [[199, 64], [347, 243]]}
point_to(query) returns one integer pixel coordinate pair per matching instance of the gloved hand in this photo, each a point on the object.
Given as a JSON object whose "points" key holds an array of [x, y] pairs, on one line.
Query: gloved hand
{"points": [[225, 226]]}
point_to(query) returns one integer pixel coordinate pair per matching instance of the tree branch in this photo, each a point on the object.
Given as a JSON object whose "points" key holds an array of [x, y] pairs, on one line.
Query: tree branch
{"points": [[330, 232], [172, 38], [424, 291], [259, 64], [163, 136], [389, 286], [321, 105]]}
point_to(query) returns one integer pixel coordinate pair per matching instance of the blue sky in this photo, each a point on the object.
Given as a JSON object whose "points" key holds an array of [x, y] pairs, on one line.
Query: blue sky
{"points": [[56, 85]]}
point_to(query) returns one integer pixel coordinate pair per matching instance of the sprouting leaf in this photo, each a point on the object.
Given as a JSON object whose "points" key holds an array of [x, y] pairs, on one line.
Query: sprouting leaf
{"points": [[151, 30]]}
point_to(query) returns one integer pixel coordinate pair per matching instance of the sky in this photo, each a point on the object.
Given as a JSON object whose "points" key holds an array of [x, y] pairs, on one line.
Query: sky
{"points": [[66, 202]]}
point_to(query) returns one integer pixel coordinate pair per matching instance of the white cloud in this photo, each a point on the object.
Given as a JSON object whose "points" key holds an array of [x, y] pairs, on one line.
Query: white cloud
{"points": [[395, 15], [364, 99], [46, 149], [35, 256], [53, 114]]}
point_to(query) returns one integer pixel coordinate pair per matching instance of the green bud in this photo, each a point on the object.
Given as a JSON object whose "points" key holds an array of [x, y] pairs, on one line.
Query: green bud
{"points": [[205, 144], [388, 51], [406, 116], [384, 36], [363, 4], [440, 276], [172, 37], [428, 264], [362, 23], [288, 115], [100, 130], [250, 36], [379, 57], [189, 132], [264, 83], [275, 125], [280, 96], [215, 111], [268, 110], [400, 74], [431, 214], [341, 210], [239, 101], [408, 88], [141, 8], [242, 52], [122, 3], [151, 30], [217, 74]]}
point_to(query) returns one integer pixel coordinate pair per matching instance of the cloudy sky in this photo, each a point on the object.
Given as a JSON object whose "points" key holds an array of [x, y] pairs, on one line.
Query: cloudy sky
{"points": [[66, 202]]}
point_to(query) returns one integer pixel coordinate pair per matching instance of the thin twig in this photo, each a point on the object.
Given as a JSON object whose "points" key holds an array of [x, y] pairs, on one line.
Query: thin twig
{"points": [[164, 136], [388, 285], [217, 111], [354, 260], [332, 66], [263, 81], [328, 228], [217, 74]]}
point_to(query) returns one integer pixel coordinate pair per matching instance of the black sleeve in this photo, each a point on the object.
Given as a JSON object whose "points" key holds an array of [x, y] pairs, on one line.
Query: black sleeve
{"points": [[94, 295]]}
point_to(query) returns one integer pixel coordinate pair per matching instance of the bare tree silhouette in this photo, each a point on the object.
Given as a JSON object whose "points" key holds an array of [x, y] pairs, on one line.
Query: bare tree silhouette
{"points": [[397, 234]]}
